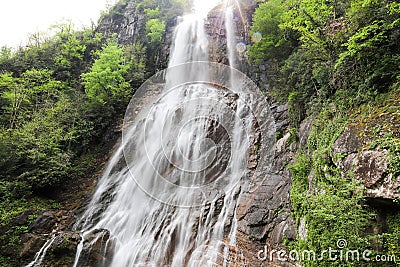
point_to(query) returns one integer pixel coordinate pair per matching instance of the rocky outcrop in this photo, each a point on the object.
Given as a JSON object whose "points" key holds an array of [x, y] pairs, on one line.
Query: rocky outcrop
{"points": [[60, 251], [371, 166], [96, 246], [126, 21], [44, 223], [31, 245], [215, 28]]}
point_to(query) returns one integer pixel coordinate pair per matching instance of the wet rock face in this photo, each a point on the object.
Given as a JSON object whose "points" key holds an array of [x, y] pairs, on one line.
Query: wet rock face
{"points": [[64, 246], [97, 249], [31, 244], [215, 28], [264, 214], [260, 212]]}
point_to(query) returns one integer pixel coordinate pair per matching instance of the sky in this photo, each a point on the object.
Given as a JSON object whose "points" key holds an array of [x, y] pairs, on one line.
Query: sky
{"points": [[19, 18]]}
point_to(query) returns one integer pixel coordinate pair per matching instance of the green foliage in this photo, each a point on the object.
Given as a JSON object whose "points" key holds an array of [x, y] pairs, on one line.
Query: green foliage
{"points": [[14, 190], [35, 56], [158, 15], [135, 54], [155, 29], [35, 89], [169, 9], [309, 18], [105, 82], [306, 80], [347, 51], [43, 147], [393, 237], [274, 41], [372, 44], [38, 148], [47, 121], [68, 62], [330, 203], [155, 26], [300, 171], [152, 13], [293, 138], [5, 53]]}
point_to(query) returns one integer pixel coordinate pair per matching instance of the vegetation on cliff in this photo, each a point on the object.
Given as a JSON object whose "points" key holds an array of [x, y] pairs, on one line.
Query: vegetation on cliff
{"points": [[335, 62]]}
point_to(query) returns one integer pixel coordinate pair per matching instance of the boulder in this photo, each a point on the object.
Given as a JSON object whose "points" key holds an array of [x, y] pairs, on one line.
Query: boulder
{"points": [[44, 223], [348, 142], [65, 244], [21, 219], [371, 166]]}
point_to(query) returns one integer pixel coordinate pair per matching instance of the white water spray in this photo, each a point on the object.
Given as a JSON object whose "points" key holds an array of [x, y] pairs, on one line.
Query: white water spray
{"points": [[169, 194]]}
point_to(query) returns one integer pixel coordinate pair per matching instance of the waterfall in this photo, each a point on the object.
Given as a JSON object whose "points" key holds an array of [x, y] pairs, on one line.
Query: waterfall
{"points": [[170, 193], [230, 36]]}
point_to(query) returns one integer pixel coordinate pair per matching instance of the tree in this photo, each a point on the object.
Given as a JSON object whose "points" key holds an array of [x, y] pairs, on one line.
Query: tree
{"points": [[68, 62], [24, 96], [5, 53], [40, 157], [269, 39], [105, 82], [316, 21], [372, 47], [155, 29]]}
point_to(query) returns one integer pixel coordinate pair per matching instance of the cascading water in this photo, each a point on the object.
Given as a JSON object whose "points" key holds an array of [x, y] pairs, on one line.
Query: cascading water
{"points": [[41, 253], [170, 193]]}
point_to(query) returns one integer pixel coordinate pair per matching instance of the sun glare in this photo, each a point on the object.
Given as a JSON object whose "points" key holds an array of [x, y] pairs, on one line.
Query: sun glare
{"points": [[202, 7]]}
